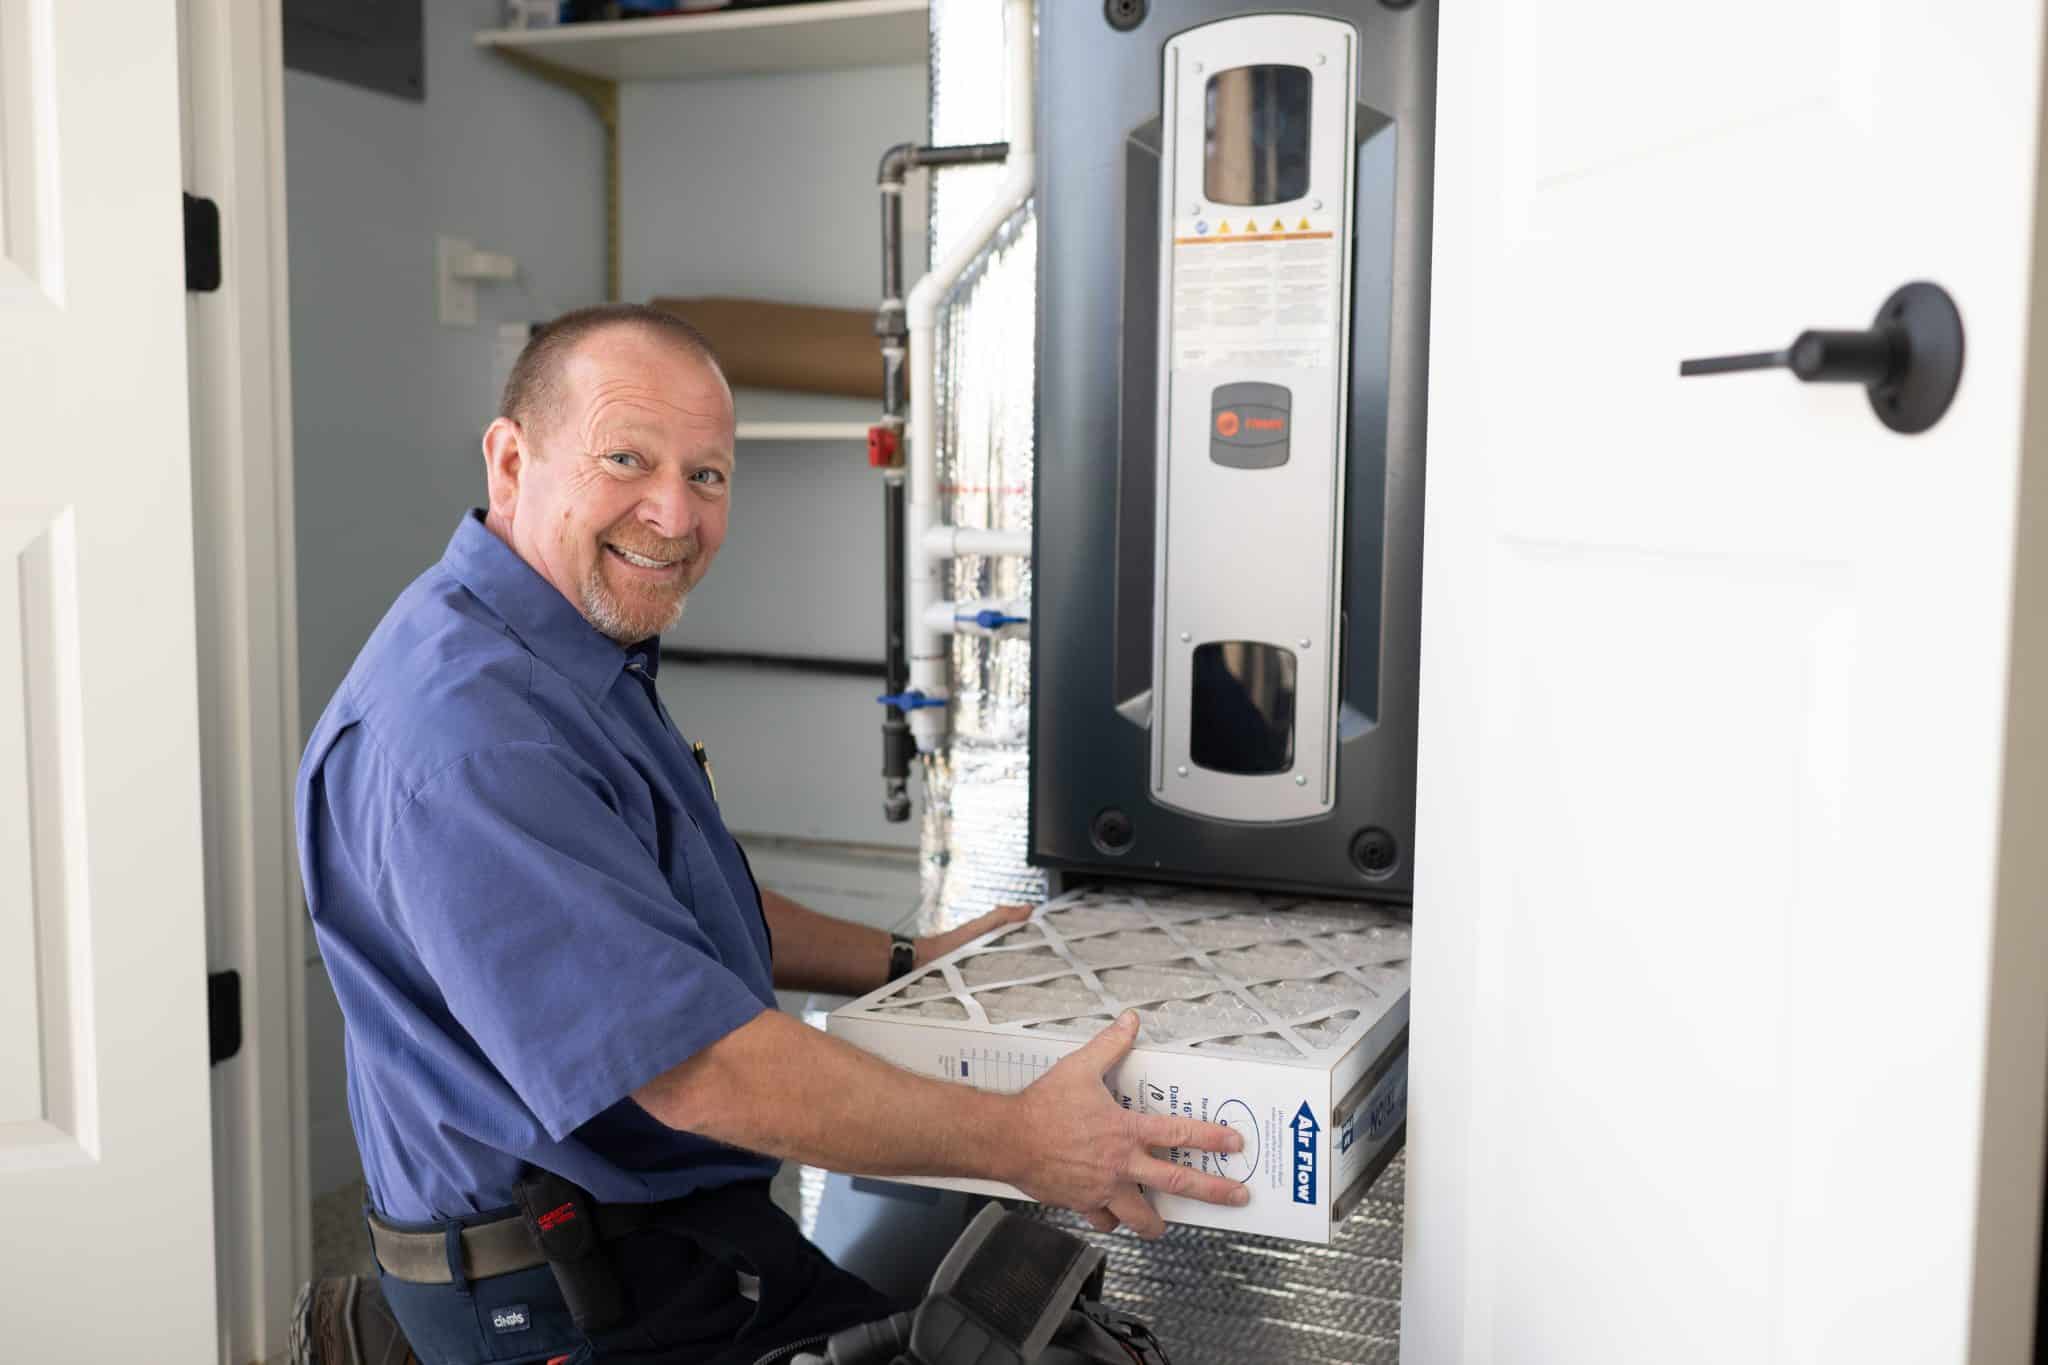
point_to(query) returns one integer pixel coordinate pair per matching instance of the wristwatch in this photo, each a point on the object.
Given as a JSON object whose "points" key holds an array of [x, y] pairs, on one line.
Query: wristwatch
{"points": [[902, 955]]}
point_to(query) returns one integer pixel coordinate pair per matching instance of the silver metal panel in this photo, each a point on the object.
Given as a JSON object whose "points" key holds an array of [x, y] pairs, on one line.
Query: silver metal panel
{"points": [[1259, 294]]}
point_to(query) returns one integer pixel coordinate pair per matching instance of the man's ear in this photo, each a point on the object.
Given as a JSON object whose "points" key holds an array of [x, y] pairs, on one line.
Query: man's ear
{"points": [[505, 455]]}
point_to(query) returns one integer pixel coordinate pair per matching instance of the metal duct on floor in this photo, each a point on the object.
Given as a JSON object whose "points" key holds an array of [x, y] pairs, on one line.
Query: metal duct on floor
{"points": [[1220, 1299]]}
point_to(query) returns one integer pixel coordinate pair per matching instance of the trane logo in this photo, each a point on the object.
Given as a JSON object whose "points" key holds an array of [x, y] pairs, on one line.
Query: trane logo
{"points": [[1230, 422]]}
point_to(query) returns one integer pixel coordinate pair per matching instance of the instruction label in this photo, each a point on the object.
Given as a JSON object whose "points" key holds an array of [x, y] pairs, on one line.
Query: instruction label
{"points": [[1255, 300]]}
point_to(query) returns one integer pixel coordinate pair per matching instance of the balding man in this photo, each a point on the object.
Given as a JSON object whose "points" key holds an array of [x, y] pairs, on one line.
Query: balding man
{"points": [[567, 1075]]}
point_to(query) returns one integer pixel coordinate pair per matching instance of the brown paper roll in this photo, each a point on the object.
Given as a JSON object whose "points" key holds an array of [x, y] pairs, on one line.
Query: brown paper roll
{"points": [[788, 346]]}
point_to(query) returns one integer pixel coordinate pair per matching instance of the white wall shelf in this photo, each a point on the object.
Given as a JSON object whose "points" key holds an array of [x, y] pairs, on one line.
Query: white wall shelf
{"points": [[768, 416], [802, 431], [820, 35]]}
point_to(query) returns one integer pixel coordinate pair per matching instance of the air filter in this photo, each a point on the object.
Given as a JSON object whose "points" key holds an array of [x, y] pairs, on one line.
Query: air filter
{"points": [[1285, 1019]]}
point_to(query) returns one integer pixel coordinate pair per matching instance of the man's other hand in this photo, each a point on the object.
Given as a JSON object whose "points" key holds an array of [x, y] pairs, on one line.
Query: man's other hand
{"points": [[936, 946], [1081, 1150]]}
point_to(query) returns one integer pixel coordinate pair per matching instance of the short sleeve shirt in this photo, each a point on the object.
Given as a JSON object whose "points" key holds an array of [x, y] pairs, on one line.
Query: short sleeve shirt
{"points": [[524, 897]]}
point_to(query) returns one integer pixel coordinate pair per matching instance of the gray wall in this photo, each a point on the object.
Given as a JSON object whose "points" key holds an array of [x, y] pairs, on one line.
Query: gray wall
{"points": [[756, 186], [387, 404], [764, 187]]}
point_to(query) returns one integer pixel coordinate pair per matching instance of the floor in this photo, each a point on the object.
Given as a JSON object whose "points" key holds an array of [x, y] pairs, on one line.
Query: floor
{"points": [[340, 1246]]}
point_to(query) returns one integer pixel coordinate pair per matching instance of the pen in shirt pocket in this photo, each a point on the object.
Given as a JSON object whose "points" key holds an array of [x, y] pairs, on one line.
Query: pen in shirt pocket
{"points": [[704, 762]]}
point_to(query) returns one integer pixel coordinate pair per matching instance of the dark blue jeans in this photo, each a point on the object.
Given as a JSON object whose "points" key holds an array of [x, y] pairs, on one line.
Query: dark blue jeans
{"points": [[684, 1303]]}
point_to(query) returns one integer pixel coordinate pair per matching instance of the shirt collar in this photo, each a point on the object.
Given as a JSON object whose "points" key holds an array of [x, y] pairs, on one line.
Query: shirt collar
{"points": [[545, 621]]}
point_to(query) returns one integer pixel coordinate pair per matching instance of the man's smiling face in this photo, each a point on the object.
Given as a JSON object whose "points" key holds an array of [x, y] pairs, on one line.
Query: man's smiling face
{"points": [[618, 492]]}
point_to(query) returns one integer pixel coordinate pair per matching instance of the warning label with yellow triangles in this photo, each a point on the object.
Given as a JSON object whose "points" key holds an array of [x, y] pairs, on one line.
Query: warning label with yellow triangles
{"points": [[1246, 232]]}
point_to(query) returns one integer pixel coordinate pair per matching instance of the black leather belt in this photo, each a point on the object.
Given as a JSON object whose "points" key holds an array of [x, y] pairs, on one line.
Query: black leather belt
{"points": [[498, 1247]]}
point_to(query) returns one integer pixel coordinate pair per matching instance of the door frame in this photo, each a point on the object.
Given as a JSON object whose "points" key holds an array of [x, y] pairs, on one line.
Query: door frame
{"points": [[2006, 1308], [231, 74]]}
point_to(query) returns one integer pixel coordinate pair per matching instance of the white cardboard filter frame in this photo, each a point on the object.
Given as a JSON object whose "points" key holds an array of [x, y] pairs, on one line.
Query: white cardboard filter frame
{"points": [[1283, 1018]]}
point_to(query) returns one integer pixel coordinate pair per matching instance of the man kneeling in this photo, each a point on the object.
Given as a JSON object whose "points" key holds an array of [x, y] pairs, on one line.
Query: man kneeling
{"points": [[567, 1075]]}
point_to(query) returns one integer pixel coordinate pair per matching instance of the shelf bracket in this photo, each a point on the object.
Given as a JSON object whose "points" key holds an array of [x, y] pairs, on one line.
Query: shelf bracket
{"points": [[603, 98]]}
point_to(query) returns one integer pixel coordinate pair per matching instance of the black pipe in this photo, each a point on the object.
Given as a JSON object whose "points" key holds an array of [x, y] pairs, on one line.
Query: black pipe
{"points": [[786, 663], [893, 327], [894, 330], [898, 746], [890, 323]]}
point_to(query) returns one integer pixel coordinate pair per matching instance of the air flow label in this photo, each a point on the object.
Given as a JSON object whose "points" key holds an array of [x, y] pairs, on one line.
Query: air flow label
{"points": [[1305, 1129]]}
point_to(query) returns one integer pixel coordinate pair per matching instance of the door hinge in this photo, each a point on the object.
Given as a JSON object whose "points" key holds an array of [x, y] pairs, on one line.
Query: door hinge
{"points": [[202, 245], [223, 1015]]}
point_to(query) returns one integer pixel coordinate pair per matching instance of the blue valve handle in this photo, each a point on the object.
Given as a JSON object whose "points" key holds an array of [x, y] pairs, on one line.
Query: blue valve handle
{"points": [[909, 701], [990, 619]]}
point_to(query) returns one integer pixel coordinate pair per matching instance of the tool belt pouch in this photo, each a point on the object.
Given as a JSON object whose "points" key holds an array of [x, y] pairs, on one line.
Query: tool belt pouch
{"points": [[563, 1221], [1005, 1292], [1012, 1291]]}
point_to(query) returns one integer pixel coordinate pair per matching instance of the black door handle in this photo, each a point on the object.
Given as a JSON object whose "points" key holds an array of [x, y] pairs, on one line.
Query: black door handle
{"points": [[1910, 359]]}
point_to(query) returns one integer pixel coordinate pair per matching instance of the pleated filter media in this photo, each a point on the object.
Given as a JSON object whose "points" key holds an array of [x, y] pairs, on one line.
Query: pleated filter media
{"points": [[1285, 1019]]}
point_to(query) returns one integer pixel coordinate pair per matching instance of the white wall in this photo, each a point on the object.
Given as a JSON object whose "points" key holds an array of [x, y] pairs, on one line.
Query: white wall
{"points": [[756, 187]]}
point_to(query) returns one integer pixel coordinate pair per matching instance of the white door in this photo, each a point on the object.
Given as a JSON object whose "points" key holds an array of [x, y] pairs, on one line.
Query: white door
{"points": [[1729, 974], [104, 1152]]}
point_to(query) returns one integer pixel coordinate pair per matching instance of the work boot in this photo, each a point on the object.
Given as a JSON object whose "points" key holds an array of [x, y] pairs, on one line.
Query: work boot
{"points": [[345, 1321]]}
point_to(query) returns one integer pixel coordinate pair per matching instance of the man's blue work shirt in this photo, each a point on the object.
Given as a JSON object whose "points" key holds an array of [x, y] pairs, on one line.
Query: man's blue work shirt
{"points": [[525, 898]]}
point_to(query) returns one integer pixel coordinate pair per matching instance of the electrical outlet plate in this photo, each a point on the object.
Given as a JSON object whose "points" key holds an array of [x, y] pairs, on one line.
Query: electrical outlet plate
{"points": [[456, 296]]}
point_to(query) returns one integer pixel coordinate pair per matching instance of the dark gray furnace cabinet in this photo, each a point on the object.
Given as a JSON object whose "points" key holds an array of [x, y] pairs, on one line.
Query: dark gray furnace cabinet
{"points": [[1233, 292]]}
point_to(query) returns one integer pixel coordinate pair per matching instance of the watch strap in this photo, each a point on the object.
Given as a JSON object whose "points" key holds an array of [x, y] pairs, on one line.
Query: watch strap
{"points": [[902, 955]]}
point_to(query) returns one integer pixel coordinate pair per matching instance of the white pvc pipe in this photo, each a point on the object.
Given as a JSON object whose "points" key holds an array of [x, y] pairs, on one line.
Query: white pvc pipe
{"points": [[951, 542], [921, 585]]}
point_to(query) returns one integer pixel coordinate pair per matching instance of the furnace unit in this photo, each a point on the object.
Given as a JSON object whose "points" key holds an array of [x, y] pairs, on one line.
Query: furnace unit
{"points": [[1233, 257]]}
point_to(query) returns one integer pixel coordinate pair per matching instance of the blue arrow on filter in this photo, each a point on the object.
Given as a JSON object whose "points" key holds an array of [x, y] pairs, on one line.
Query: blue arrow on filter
{"points": [[1305, 1130]]}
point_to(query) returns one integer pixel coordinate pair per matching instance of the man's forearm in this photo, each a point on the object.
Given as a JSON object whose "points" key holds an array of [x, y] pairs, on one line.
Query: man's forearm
{"points": [[815, 952], [783, 1088], [774, 1085]]}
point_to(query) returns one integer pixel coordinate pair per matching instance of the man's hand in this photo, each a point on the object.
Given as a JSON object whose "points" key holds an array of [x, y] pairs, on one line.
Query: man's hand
{"points": [[1082, 1151], [936, 946]]}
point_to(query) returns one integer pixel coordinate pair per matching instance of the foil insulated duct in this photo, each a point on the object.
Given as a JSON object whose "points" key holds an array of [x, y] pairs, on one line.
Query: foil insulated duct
{"points": [[974, 839], [967, 77]]}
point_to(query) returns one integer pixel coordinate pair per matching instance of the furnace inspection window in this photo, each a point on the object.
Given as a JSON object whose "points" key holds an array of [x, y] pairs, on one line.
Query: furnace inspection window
{"points": [[1257, 135]]}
